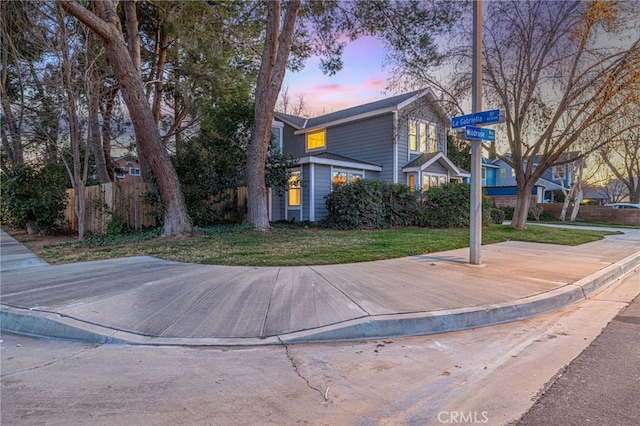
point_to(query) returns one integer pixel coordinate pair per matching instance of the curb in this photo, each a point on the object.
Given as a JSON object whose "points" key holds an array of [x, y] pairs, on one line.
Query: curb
{"points": [[52, 325]]}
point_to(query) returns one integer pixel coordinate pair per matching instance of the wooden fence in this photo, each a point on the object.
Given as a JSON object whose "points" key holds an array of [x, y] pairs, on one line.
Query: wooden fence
{"points": [[233, 208], [124, 200]]}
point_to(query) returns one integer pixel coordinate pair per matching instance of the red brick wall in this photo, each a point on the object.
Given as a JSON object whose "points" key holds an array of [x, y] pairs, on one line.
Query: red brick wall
{"points": [[599, 214]]}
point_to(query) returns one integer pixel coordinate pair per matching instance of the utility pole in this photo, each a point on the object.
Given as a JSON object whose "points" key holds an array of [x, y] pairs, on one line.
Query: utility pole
{"points": [[475, 240]]}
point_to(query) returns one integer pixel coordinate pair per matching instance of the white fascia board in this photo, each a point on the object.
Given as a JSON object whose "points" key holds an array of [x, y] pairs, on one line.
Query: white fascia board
{"points": [[346, 120], [284, 120], [440, 156], [339, 163]]}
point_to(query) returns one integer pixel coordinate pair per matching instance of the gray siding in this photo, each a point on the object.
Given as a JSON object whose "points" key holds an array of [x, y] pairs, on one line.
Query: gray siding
{"points": [[277, 207], [369, 140], [292, 144], [437, 168], [374, 175], [322, 188]]}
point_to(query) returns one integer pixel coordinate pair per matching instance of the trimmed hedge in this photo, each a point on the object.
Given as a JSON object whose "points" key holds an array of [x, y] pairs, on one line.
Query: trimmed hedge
{"points": [[449, 206], [369, 204]]}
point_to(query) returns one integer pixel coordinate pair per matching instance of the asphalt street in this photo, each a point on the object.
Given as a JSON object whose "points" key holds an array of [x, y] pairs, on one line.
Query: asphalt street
{"points": [[602, 385], [493, 372]]}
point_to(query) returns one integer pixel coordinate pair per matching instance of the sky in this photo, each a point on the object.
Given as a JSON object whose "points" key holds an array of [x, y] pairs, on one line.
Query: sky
{"points": [[361, 80]]}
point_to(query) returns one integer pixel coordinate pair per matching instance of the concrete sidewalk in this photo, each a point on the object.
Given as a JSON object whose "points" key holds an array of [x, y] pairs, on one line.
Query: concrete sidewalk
{"points": [[143, 300]]}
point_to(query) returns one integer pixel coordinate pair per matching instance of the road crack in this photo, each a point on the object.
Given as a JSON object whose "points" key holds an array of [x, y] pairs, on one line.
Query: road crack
{"points": [[55, 361], [323, 393]]}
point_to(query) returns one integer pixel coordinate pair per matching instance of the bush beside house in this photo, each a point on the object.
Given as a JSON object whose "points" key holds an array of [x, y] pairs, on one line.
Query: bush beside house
{"points": [[370, 204]]}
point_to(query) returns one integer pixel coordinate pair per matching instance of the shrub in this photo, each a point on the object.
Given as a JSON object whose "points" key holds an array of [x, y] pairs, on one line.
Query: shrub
{"points": [[448, 206], [508, 212], [497, 215], [370, 204], [531, 215], [401, 204], [34, 199], [117, 226]]}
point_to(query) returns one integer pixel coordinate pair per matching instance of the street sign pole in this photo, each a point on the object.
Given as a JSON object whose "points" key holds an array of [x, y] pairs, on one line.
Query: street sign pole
{"points": [[475, 238]]}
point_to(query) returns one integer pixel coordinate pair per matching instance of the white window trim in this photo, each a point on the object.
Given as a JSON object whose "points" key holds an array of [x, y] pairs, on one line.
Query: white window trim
{"points": [[416, 177], [438, 175], [312, 193], [287, 206], [278, 127], [348, 172], [427, 123], [306, 141]]}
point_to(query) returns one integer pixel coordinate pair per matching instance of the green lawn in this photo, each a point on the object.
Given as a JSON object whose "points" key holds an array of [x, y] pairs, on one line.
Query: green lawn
{"points": [[290, 245]]}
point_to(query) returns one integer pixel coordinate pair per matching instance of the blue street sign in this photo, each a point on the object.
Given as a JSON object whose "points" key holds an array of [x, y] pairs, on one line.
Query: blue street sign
{"points": [[479, 134], [493, 116]]}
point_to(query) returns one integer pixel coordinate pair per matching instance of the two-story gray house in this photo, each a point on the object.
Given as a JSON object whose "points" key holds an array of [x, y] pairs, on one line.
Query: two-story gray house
{"points": [[400, 139]]}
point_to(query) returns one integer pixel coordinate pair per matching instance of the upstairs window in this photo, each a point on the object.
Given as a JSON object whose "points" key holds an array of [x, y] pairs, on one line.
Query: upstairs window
{"points": [[134, 171], [422, 137], [433, 146], [276, 136], [316, 140], [413, 135]]}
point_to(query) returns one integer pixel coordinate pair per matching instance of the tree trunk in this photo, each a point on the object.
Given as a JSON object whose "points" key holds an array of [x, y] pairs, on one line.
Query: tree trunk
{"points": [[521, 211], [81, 209], [105, 131], [275, 54], [107, 26], [95, 135], [176, 221], [32, 228], [578, 193], [565, 205]]}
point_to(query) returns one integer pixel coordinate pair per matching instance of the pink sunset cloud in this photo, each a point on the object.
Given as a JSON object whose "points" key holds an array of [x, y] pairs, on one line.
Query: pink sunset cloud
{"points": [[376, 84], [361, 80], [332, 88]]}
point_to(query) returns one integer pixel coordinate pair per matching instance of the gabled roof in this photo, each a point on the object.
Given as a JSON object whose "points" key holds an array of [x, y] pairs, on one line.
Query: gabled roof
{"points": [[425, 160], [292, 120], [594, 192], [127, 156], [548, 185], [303, 125], [419, 161]]}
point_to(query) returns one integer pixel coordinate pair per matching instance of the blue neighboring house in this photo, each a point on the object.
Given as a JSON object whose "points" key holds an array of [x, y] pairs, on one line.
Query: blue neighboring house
{"points": [[400, 139], [499, 181]]}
